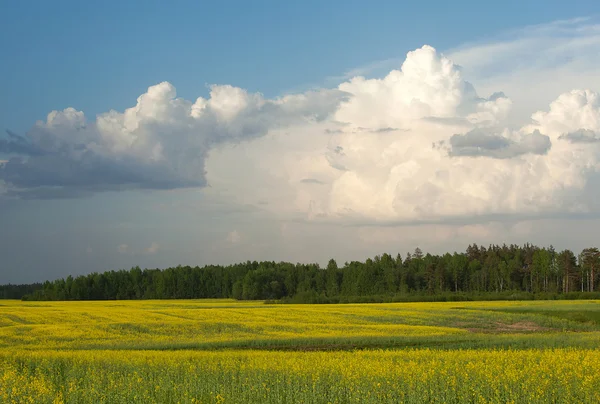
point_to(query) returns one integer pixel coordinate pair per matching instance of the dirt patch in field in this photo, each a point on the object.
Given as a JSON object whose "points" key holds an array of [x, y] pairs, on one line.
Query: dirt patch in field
{"points": [[520, 326]]}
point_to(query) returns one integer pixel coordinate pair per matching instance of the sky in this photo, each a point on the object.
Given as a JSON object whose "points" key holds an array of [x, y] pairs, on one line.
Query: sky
{"points": [[199, 133]]}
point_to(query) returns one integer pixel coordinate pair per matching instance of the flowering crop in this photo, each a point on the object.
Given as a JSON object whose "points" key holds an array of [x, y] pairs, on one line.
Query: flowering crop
{"points": [[223, 351]]}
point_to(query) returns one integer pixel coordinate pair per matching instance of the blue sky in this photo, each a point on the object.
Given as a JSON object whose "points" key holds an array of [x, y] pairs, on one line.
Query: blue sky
{"points": [[256, 184]]}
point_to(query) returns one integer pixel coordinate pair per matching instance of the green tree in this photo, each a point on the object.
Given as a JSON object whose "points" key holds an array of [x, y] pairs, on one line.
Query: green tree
{"points": [[591, 264], [567, 263]]}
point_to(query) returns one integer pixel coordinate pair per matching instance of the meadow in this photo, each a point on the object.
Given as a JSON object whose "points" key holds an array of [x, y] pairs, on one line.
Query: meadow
{"points": [[212, 351]]}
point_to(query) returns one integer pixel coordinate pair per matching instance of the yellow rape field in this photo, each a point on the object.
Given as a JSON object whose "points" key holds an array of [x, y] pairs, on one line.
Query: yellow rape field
{"points": [[227, 351]]}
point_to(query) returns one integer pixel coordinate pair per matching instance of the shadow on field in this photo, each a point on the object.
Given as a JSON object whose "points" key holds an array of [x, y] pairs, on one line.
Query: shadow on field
{"points": [[465, 341]]}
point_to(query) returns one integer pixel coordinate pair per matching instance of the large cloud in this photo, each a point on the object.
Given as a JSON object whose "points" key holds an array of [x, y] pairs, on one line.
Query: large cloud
{"points": [[401, 150], [161, 143], [419, 145]]}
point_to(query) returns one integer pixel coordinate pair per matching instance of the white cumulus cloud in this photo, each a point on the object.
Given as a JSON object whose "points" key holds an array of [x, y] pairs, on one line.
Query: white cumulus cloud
{"points": [[418, 145], [160, 143], [427, 85]]}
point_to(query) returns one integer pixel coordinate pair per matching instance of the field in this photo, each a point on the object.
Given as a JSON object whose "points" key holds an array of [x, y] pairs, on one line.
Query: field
{"points": [[226, 351]]}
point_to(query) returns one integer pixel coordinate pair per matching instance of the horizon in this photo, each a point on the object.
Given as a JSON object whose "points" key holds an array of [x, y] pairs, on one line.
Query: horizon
{"points": [[322, 265]]}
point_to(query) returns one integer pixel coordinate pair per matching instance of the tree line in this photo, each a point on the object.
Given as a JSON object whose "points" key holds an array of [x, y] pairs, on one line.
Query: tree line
{"points": [[478, 273], [18, 291]]}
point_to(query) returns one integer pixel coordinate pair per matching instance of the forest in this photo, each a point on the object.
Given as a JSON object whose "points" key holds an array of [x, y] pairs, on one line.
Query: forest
{"points": [[480, 273]]}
